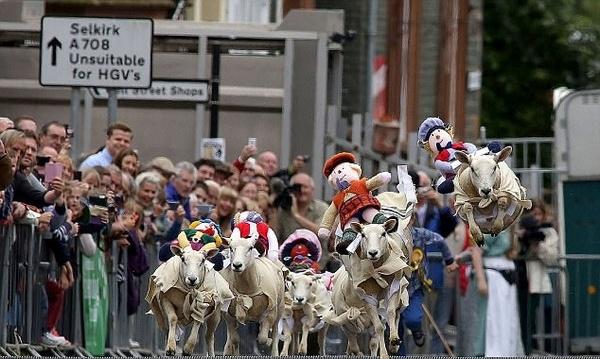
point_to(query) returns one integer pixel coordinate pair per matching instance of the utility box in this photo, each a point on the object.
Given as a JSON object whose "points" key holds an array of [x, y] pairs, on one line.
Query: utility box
{"points": [[576, 133], [577, 130], [21, 10]]}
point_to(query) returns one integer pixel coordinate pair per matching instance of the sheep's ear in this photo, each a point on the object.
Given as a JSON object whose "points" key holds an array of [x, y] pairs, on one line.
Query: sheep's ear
{"points": [[502, 155], [391, 225], [356, 226], [225, 242], [462, 157], [176, 250], [211, 252]]}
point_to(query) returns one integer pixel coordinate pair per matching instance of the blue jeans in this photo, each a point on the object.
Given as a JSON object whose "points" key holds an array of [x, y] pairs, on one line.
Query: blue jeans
{"points": [[411, 317], [442, 312]]}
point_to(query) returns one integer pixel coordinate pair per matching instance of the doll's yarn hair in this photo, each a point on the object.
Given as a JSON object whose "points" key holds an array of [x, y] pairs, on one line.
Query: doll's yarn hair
{"points": [[302, 264], [425, 144]]}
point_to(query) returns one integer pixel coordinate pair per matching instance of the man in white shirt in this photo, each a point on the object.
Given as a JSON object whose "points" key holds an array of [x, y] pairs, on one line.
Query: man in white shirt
{"points": [[118, 138]]}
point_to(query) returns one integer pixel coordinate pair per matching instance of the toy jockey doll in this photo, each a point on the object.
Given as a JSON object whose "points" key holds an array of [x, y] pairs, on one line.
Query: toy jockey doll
{"points": [[436, 137], [353, 202]]}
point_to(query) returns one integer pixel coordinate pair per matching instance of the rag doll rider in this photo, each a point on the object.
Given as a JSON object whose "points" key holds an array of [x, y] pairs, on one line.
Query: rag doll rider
{"points": [[354, 201]]}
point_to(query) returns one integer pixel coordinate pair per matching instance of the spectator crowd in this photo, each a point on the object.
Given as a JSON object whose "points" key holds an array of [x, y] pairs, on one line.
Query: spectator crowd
{"points": [[113, 195]]}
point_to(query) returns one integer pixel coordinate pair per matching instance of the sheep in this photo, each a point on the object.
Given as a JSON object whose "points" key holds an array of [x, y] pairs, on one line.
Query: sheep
{"points": [[258, 286], [185, 289], [489, 196], [307, 302], [373, 283]]}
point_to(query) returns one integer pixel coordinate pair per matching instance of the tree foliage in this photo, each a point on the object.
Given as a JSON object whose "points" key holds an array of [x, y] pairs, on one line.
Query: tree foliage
{"points": [[531, 47]]}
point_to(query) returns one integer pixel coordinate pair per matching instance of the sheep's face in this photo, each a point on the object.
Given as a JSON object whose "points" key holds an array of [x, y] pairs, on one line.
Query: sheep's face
{"points": [[483, 174], [242, 253], [300, 287], [374, 243], [483, 170], [192, 268]]}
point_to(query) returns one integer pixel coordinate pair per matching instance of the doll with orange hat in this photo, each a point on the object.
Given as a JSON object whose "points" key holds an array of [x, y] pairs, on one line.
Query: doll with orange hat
{"points": [[353, 201]]}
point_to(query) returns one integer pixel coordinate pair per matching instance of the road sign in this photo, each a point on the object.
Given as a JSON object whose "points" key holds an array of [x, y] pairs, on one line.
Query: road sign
{"points": [[162, 90], [96, 52]]}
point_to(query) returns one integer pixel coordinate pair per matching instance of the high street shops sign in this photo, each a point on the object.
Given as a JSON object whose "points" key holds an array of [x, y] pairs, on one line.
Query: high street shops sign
{"points": [[162, 90], [96, 52]]}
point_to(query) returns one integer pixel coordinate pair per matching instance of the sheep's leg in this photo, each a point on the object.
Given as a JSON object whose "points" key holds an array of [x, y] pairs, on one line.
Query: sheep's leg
{"points": [[211, 325], [374, 345], [352, 348], [379, 330], [393, 317], [171, 315], [294, 346], [190, 344], [322, 335], [346, 318], [476, 234], [306, 321], [275, 340], [232, 345], [498, 224], [304, 340], [263, 333], [287, 339]]}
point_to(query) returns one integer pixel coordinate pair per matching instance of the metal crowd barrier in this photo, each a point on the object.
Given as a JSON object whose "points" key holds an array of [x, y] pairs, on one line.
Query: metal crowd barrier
{"points": [[23, 305], [565, 321]]}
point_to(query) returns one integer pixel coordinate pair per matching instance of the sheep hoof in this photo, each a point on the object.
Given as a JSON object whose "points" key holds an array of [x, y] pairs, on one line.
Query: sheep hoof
{"points": [[185, 354], [497, 226], [170, 352], [395, 345], [477, 236]]}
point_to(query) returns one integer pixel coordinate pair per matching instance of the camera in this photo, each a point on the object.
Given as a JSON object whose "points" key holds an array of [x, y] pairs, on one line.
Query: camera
{"points": [[531, 231], [283, 193], [98, 200], [173, 205]]}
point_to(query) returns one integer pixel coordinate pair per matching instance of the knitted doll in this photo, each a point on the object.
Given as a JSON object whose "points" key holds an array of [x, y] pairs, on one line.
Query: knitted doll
{"points": [[202, 235], [436, 137], [301, 247], [353, 202], [250, 223]]}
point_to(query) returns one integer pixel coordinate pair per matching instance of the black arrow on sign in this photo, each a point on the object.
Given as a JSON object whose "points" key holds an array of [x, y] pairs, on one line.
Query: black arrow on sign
{"points": [[54, 43]]}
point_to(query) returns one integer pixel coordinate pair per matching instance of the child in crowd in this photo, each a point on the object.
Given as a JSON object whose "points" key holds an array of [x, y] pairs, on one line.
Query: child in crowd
{"points": [[137, 262]]}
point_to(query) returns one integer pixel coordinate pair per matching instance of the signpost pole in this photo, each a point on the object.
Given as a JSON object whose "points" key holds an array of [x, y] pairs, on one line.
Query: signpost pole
{"points": [[112, 106], [214, 97], [200, 107], [74, 121]]}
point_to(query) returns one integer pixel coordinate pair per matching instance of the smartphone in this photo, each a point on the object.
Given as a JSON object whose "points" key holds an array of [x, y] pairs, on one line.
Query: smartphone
{"points": [[52, 171], [204, 209], [173, 205], [99, 200], [119, 202], [69, 131], [42, 160], [77, 175], [252, 141]]}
